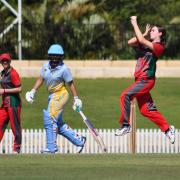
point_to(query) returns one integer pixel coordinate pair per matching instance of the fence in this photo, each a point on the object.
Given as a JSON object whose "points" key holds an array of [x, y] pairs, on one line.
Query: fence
{"points": [[148, 141]]}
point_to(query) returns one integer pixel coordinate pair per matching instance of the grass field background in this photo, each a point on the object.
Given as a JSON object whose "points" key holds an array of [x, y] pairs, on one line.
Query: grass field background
{"points": [[90, 167], [101, 103]]}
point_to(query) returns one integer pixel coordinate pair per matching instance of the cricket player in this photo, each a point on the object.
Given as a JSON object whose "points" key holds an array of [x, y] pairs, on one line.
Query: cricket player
{"points": [[11, 102], [148, 52], [56, 75]]}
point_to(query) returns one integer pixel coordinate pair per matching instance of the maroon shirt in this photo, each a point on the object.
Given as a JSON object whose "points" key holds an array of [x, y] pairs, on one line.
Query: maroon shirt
{"points": [[146, 60], [9, 80]]}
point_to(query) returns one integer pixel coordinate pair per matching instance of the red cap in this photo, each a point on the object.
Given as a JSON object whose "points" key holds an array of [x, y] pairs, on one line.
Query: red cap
{"points": [[5, 56]]}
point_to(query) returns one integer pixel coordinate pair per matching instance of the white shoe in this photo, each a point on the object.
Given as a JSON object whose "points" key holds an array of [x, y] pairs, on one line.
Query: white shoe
{"points": [[56, 150], [123, 131], [47, 151], [80, 148], [16, 152], [171, 134]]}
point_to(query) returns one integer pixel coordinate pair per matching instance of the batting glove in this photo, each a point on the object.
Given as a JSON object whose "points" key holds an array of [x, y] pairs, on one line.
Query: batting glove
{"points": [[77, 106], [30, 95]]}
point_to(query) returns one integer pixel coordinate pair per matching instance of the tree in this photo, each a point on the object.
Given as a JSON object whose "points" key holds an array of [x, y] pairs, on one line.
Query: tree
{"points": [[89, 28]]}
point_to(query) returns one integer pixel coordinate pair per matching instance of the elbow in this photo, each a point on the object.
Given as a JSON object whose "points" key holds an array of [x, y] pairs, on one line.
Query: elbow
{"points": [[129, 42]]}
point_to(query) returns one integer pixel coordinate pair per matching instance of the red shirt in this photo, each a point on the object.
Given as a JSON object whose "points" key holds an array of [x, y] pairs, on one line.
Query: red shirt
{"points": [[9, 80], [146, 60]]}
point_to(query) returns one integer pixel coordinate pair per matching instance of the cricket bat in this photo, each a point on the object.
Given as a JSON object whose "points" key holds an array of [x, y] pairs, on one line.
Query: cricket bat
{"points": [[94, 132]]}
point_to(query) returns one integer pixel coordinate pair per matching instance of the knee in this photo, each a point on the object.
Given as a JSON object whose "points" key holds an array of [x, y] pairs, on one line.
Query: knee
{"points": [[125, 97]]}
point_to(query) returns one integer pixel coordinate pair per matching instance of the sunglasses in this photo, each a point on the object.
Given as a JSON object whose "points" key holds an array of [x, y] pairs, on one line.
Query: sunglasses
{"points": [[55, 57], [5, 62]]}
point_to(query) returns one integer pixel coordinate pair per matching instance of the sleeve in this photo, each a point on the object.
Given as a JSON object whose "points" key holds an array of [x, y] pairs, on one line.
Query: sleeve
{"points": [[158, 49], [15, 79], [43, 69], [67, 76], [42, 72]]}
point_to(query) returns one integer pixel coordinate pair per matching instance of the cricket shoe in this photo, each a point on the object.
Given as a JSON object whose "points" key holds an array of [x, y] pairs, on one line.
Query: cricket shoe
{"points": [[171, 134], [16, 152], [80, 148], [47, 151], [123, 130], [56, 150]]}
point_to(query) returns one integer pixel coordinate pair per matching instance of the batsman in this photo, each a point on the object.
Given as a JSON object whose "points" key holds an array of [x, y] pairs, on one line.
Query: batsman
{"points": [[56, 75]]}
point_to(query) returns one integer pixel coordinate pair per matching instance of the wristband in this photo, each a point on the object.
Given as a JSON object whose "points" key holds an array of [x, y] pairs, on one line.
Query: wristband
{"points": [[76, 97], [33, 91]]}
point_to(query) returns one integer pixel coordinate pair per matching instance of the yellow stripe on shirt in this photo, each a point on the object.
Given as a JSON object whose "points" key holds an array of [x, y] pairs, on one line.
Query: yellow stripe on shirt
{"points": [[58, 87]]}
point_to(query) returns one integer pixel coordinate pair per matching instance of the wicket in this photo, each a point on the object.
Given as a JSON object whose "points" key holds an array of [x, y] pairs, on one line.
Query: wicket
{"points": [[133, 126]]}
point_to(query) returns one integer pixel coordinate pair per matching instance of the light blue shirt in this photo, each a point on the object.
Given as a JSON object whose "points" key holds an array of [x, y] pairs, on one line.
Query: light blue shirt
{"points": [[56, 78]]}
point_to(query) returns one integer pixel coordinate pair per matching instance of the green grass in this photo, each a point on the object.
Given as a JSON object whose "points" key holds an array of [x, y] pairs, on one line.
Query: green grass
{"points": [[101, 103], [90, 167]]}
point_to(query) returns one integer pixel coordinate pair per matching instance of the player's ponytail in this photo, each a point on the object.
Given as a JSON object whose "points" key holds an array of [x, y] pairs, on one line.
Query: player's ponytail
{"points": [[163, 36]]}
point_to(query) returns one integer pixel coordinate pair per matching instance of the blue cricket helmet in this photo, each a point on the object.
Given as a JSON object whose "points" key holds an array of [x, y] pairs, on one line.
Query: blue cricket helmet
{"points": [[56, 49]]}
